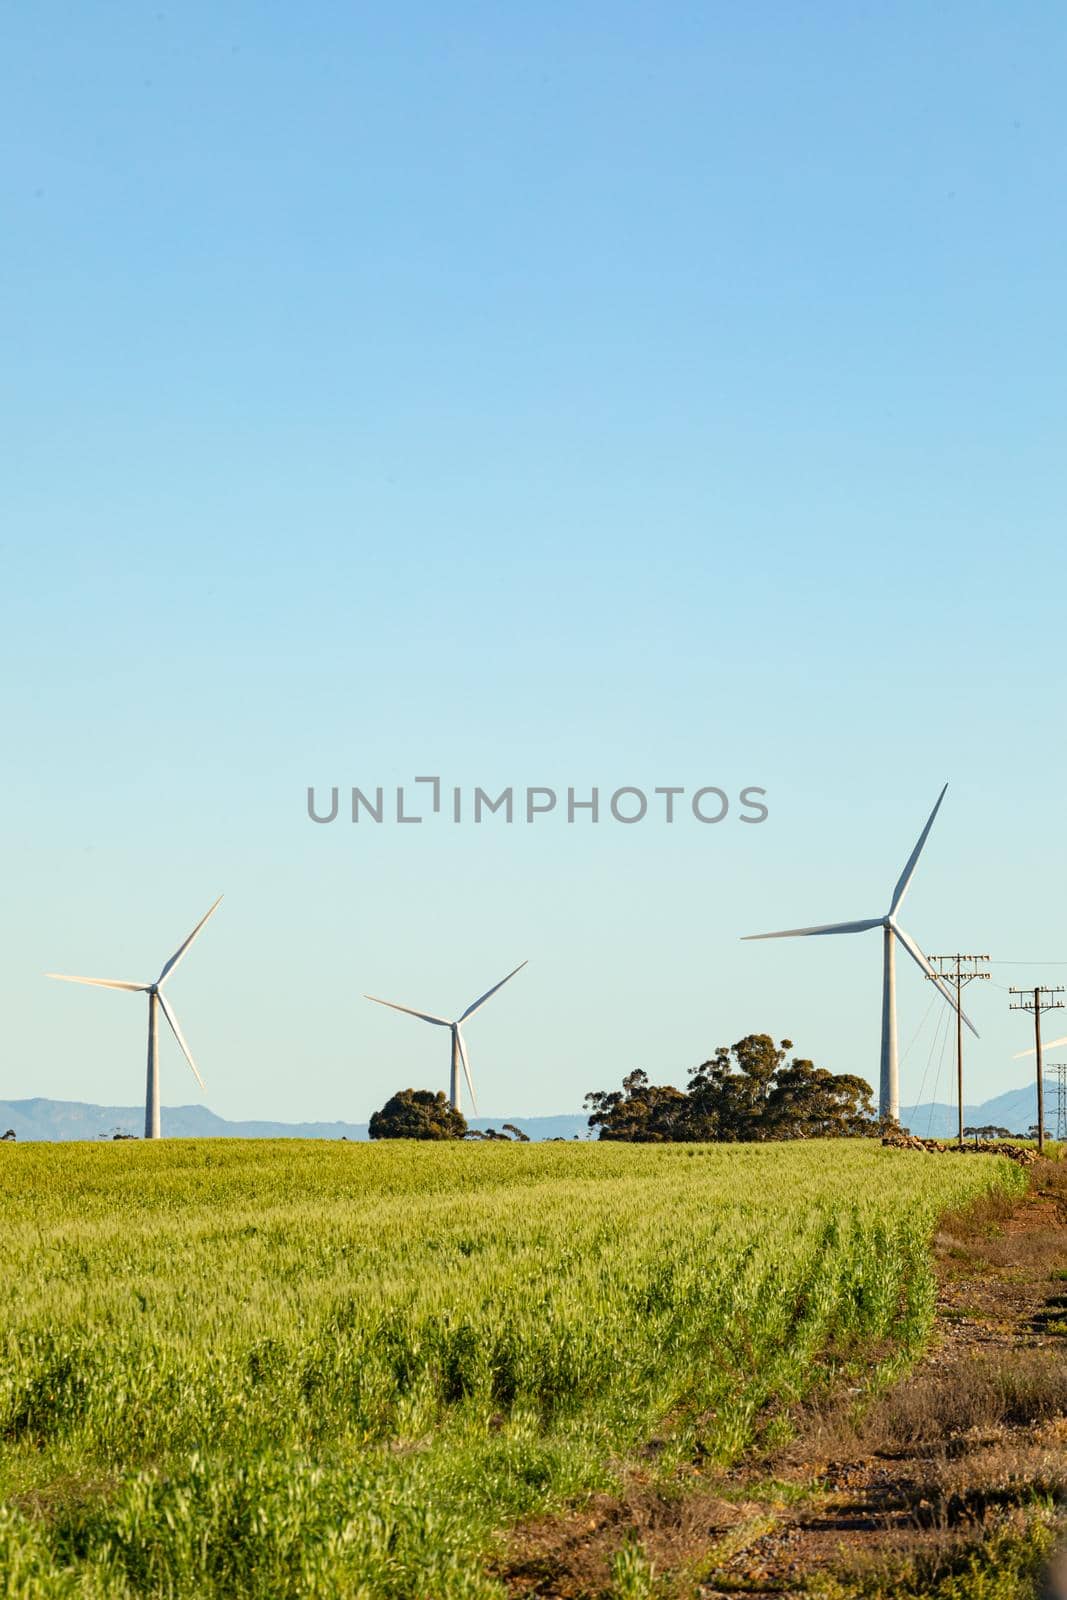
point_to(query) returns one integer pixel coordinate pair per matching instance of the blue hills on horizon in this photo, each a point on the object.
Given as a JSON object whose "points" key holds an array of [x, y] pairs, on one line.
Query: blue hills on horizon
{"points": [[41, 1119], [60, 1120], [1015, 1110]]}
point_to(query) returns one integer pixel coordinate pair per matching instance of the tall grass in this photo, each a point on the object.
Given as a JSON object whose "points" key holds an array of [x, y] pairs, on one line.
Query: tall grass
{"points": [[269, 1369]]}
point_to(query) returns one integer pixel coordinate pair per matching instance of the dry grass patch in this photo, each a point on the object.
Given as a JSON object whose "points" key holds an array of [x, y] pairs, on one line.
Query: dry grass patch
{"points": [[999, 1389]]}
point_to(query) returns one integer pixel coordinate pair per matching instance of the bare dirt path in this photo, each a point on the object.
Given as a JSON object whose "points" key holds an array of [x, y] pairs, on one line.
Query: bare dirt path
{"points": [[961, 1447]]}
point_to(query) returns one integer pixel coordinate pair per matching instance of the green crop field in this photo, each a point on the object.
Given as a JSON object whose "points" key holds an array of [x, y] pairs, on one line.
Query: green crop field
{"points": [[295, 1369]]}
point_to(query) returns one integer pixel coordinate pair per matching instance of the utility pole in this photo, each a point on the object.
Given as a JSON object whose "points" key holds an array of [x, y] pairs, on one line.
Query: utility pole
{"points": [[1060, 1069], [1039, 998], [957, 970]]}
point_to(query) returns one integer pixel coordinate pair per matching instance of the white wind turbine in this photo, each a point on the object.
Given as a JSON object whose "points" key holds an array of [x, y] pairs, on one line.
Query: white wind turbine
{"points": [[459, 1048], [889, 1083], [157, 1001]]}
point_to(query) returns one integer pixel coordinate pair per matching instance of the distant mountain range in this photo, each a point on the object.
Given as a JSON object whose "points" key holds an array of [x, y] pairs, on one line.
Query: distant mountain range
{"points": [[1016, 1111], [70, 1119]]}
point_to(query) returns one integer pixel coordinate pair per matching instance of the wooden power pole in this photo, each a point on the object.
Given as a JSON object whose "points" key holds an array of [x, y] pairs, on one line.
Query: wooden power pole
{"points": [[958, 970], [1040, 998]]}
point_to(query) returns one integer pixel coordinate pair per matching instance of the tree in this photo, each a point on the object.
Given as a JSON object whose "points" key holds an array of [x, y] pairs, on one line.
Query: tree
{"points": [[749, 1091], [643, 1113], [417, 1114], [808, 1102], [509, 1133], [731, 1104]]}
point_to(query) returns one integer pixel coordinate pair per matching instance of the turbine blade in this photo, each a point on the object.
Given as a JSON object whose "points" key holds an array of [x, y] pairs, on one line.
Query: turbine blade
{"points": [[182, 948], [177, 1032], [939, 984], [490, 992], [905, 877], [426, 1016], [100, 983], [827, 927], [466, 1068], [1053, 1044]]}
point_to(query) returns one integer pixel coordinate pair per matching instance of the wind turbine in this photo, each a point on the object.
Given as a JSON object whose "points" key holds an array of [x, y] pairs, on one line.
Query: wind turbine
{"points": [[459, 1047], [157, 1001], [892, 932]]}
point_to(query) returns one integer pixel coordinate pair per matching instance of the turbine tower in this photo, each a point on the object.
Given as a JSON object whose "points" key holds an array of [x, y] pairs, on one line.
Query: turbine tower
{"points": [[157, 1001], [459, 1047], [892, 933]]}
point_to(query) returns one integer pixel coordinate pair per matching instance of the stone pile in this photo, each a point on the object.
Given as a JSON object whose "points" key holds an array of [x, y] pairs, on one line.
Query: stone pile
{"points": [[900, 1139]]}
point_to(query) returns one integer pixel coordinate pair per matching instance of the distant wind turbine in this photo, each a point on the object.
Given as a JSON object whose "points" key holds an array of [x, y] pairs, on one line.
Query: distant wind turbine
{"points": [[1053, 1044], [889, 1084], [157, 1001], [459, 1047]]}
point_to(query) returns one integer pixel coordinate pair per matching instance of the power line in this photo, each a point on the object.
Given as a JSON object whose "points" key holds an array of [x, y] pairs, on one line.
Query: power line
{"points": [[959, 971], [1035, 1000], [911, 1042], [935, 1047], [942, 1031]]}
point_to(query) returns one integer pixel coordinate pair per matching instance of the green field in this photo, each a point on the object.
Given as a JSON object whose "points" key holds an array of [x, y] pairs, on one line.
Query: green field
{"points": [[272, 1369]]}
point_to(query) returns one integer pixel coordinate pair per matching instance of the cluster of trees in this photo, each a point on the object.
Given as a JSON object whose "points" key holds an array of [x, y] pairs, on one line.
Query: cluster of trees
{"points": [[746, 1092], [990, 1132], [749, 1091], [421, 1114]]}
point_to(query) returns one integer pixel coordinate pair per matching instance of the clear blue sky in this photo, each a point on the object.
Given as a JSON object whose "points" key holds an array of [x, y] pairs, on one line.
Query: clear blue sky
{"points": [[549, 394]]}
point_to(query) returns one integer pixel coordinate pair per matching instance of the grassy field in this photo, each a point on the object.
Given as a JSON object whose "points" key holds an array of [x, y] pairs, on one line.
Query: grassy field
{"points": [[272, 1369]]}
